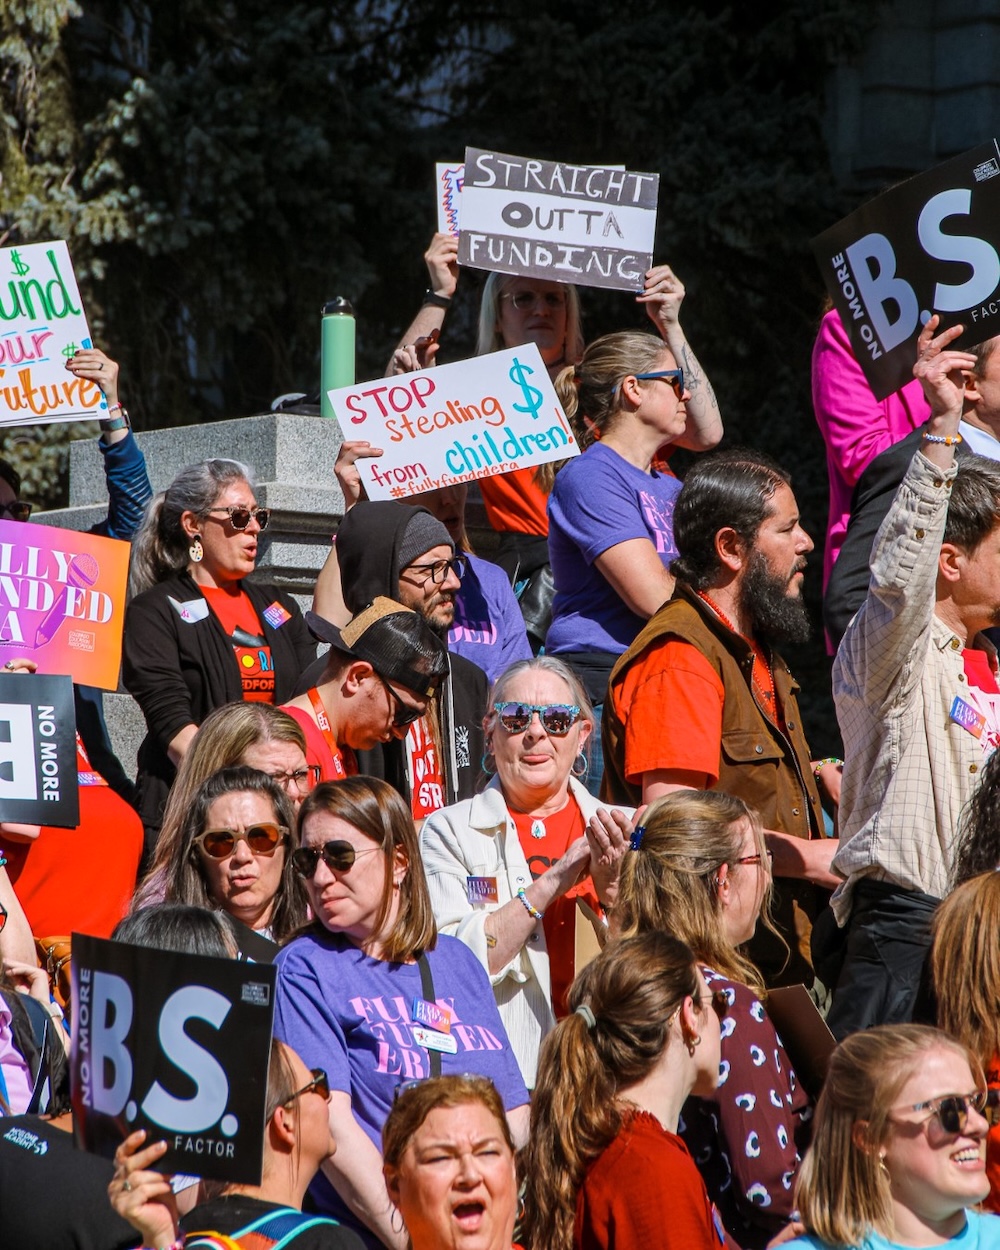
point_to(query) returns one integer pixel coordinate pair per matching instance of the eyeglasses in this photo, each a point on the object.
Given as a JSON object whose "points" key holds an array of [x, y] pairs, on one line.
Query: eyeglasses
{"points": [[718, 1000], [757, 859], [405, 713], [557, 718], [952, 1111], [525, 300], [337, 855], [261, 839], [320, 1083], [240, 517], [674, 376], [3, 916], [303, 779], [439, 570], [19, 510]]}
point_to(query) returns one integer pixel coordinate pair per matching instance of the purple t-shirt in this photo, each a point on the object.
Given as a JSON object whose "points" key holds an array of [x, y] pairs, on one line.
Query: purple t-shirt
{"points": [[352, 1015], [600, 500], [488, 628]]}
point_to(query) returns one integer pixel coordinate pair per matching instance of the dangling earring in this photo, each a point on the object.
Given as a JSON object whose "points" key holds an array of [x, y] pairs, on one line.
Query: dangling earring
{"points": [[693, 1043], [488, 763], [196, 551], [580, 766]]}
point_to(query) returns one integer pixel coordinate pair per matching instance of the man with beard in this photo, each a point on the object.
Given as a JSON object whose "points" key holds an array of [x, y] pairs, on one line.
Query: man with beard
{"points": [[917, 699], [701, 700]]}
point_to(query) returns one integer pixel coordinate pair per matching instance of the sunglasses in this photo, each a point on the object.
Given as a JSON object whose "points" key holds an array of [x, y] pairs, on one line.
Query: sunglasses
{"points": [[337, 855], [718, 1000], [3, 916], [17, 511], [240, 517], [952, 1111], [303, 779], [261, 839], [405, 713], [557, 718], [320, 1083], [674, 376], [439, 570]]}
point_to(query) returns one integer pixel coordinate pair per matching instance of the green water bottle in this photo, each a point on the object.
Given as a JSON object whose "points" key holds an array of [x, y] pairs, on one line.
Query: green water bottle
{"points": [[337, 350]]}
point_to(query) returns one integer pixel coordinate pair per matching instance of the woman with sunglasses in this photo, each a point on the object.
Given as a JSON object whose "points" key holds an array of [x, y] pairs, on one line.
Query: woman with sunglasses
{"points": [[897, 1158], [197, 634], [506, 868], [373, 995], [604, 1166], [234, 854], [296, 1140], [611, 510], [698, 868]]}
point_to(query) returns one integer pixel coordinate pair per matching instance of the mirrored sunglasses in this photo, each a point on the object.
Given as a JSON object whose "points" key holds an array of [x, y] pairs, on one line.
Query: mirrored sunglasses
{"points": [[557, 718], [262, 840], [239, 517], [338, 855]]}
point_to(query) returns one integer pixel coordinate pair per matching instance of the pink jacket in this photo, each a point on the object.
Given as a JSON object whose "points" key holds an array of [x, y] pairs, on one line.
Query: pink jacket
{"points": [[854, 425]]}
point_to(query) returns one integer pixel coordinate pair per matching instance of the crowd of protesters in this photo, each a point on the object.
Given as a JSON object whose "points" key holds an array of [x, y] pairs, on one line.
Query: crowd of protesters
{"points": [[563, 800]]}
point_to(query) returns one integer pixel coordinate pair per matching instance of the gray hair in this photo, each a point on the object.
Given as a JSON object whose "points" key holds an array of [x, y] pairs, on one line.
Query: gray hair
{"points": [[160, 546], [489, 339], [538, 664]]}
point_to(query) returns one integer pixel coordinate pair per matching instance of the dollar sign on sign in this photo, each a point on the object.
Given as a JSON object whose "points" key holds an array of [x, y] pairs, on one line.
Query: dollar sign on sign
{"points": [[532, 395], [20, 268]]}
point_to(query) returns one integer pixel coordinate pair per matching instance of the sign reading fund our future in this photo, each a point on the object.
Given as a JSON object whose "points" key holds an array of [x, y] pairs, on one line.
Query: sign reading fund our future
{"points": [[586, 224], [456, 423], [174, 1044], [929, 245], [42, 323], [38, 775], [62, 601]]}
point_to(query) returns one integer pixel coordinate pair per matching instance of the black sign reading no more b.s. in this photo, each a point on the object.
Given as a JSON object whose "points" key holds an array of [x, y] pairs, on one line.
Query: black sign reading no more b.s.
{"points": [[930, 245], [177, 1045]]}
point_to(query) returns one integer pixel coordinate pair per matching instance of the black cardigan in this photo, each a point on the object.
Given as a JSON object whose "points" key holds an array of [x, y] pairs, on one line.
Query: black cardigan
{"points": [[180, 670]]}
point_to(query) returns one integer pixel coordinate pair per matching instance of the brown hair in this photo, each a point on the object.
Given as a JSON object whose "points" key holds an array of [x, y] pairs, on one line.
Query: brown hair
{"points": [[843, 1188], [965, 964], [375, 809], [416, 1102], [633, 989], [670, 882]]}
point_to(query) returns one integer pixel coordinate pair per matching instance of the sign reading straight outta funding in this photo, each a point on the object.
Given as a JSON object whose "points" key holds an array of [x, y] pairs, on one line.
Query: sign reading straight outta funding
{"points": [[176, 1044], [38, 777], [42, 323], [456, 423], [585, 224], [929, 245]]}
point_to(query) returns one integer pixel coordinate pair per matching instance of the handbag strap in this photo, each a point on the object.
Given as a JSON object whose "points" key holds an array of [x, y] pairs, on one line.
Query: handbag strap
{"points": [[427, 989]]}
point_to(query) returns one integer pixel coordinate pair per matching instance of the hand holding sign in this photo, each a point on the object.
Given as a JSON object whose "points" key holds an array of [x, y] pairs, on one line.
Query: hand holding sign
{"points": [[441, 259], [142, 1197], [942, 375]]}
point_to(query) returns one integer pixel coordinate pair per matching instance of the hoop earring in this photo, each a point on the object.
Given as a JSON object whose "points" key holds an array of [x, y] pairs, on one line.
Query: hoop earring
{"points": [[488, 764], [196, 552], [392, 1220], [580, 766], [693, 1043]]}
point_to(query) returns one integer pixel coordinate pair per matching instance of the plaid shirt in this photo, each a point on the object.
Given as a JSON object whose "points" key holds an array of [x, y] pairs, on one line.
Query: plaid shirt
{"points": [[910, 769]]}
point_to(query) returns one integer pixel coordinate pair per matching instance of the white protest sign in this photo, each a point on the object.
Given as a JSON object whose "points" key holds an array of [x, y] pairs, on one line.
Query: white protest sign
{"points": [[42, 323], [448, 181], [592, 225], [456, 423]]}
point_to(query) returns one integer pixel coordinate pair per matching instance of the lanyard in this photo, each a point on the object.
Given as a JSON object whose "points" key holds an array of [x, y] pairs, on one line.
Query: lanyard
{"points": [[323, 721]]}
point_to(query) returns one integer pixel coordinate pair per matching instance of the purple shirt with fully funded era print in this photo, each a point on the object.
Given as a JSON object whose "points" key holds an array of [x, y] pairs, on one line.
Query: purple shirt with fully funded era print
{"points": [[600, 500], [353, 1016]]}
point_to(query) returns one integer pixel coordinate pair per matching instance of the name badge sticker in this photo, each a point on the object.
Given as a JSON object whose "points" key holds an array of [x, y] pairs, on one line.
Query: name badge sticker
{"points": [[481, 891], [965, 714], [435, 1041], [435, 1017], [276, 615]]}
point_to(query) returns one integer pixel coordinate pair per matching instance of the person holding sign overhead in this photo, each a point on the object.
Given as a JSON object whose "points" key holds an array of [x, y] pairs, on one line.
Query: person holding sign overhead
{"points": [[197, 634]]}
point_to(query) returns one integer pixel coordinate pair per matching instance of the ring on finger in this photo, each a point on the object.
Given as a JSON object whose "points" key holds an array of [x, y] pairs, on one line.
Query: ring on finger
{"points": [[127, 1186]]}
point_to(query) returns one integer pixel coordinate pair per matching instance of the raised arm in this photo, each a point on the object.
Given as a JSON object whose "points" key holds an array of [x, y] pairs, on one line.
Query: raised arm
{"points": [[441, 259]]}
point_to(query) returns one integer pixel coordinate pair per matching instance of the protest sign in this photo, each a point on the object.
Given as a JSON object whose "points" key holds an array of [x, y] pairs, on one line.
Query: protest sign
{"points": [[42, 323], [456, 423], [449, 179], [175, 1044], [587, 224], [38, 782], [62, 601], [926, 246]]}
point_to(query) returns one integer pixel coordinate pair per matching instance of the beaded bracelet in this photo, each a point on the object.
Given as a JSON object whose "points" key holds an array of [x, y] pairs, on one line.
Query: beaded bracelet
{"points": [[533, 912], [821, 764], [948, 440]]}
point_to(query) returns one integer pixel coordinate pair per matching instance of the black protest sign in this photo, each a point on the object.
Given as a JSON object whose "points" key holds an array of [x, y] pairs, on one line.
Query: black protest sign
{"points": [[38, 777], [927, 246], [586, 224], [175, 1044]]}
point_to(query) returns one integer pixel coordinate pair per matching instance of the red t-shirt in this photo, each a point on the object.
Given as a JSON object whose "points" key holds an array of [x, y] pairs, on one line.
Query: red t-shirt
{"points": [[983, 695], [334, 764], [425, 769], [515, 502], [238, 618], [79, 879], [558, 831]]}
